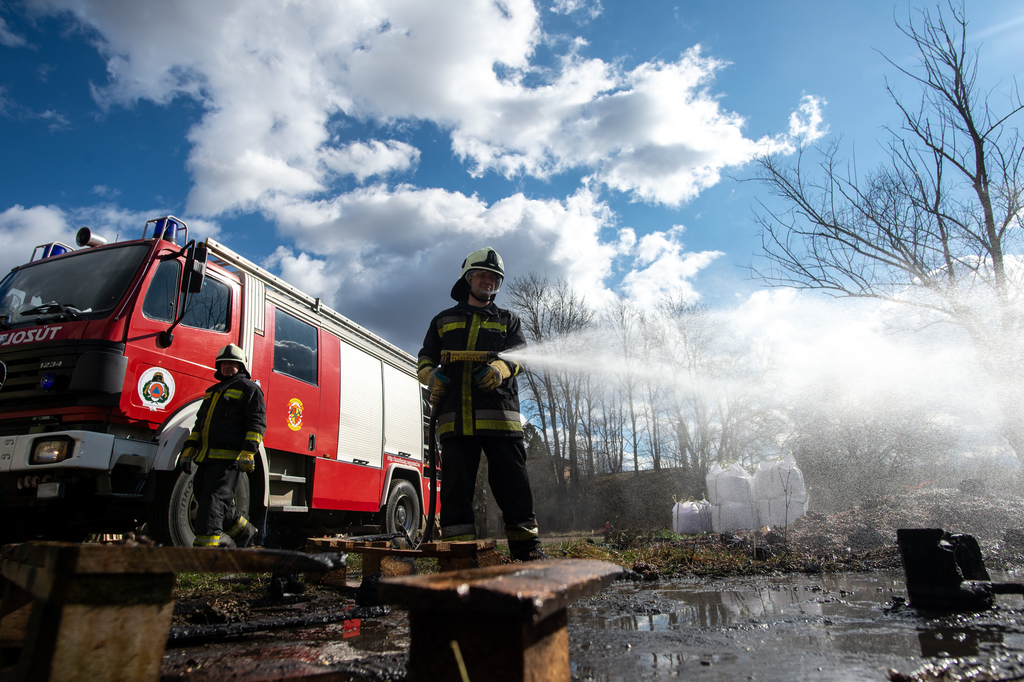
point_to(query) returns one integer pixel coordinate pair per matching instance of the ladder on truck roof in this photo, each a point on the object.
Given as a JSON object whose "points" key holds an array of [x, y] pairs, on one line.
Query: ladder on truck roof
{"points": [[327, 318]]}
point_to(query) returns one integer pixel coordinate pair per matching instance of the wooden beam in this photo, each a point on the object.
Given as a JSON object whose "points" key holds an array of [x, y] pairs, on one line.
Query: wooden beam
{"points": [[102, 612], [508, 623]]}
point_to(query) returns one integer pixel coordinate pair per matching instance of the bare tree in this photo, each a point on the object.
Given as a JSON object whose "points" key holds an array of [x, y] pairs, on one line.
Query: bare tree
{"points": [[623, 321], [716, 396], [554, 315], [937, 227]]}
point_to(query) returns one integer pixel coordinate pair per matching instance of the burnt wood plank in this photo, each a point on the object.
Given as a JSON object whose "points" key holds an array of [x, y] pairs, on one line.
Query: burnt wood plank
{"points": [[21, 564], [532, 591]]}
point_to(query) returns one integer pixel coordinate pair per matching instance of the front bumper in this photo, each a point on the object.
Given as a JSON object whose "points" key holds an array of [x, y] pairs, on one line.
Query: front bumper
{"points": [[114, 466]]}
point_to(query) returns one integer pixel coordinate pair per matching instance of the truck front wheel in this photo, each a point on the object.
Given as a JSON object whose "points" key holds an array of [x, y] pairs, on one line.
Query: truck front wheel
{"points": [[173, 515], [174, 510], [403, 508]]}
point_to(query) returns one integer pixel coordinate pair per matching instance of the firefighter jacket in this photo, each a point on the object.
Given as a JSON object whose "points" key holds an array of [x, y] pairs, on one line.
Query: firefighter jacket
{"points": [[231, 420], [466, 409]]}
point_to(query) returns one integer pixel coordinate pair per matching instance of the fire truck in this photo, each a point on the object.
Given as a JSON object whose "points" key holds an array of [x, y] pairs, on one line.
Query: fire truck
{"points": [[106, 351]]}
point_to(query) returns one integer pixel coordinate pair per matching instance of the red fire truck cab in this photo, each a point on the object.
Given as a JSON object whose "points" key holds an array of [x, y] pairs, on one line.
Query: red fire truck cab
{"points": [[106, 352]]}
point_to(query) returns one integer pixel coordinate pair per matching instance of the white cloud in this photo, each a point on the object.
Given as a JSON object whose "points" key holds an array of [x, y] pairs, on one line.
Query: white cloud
{"points": [[22, 229], [9, 107], [272, 75], [376, 158], [662, 266], [591, 8], [305, 272], [104, 191], [279, 83], [383, 254], [409, 229], [807, 123], [390, 256], [8, 38]]}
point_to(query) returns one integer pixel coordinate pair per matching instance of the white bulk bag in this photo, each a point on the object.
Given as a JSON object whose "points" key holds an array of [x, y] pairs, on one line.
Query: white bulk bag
{"points": [[691, 518], [779, 491], [731, 484], [732, 516]]}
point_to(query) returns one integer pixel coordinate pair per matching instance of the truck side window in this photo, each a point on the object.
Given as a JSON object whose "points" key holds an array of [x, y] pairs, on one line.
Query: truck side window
{"points": [[295, 347], [210, 308], [163, 292]]}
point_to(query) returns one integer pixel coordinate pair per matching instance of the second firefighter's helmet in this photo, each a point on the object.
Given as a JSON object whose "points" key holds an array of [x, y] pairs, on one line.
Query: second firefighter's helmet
{"points": [[486, 259], [232, 353]]}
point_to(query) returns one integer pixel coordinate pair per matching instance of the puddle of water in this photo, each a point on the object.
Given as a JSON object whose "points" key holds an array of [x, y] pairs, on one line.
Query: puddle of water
{"points": [[800, 627], [735, 601], [821, 627]]}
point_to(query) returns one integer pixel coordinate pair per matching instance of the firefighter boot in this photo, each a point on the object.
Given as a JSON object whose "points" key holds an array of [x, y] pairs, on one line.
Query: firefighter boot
{"points": [[531, 554], [247, 536], [243, 533]]}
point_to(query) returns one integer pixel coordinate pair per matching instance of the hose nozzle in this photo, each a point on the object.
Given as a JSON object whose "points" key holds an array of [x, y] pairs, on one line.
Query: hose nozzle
{"points": [[449, 356]]}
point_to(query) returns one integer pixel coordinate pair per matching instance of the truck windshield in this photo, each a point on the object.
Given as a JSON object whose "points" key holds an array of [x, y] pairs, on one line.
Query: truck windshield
{"points": [[87, 282]]}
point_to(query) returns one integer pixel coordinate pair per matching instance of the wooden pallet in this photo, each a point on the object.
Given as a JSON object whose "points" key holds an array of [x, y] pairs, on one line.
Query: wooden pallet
{"points": [[391, 561], [102, 612]]}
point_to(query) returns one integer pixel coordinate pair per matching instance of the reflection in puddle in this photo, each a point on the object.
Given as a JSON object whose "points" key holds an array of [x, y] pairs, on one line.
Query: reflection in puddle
{"points": [[848, 613]]}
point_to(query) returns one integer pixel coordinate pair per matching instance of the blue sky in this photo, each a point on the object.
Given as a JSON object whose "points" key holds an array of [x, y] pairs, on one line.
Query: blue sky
{"points": [[361, 150]]}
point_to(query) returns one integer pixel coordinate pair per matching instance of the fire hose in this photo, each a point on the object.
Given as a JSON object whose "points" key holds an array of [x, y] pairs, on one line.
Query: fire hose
{"points": [[447, 357]]}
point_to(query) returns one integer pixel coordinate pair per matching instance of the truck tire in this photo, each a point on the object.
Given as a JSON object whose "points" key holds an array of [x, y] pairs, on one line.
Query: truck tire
{"points": [[172, 521], [174, 510], [403, 508]]}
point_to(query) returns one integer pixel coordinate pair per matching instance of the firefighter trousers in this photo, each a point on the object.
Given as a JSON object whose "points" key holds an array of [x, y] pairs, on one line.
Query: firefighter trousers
{"points": [[215, 484], [506, 468]]}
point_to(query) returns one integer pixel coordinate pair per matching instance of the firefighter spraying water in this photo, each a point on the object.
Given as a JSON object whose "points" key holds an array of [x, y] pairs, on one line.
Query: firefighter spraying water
{"points": [[475, 400]]}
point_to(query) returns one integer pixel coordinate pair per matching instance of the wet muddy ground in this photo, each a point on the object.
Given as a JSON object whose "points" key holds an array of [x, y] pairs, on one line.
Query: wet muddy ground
{"points": [[823, 601], [850, 626]]}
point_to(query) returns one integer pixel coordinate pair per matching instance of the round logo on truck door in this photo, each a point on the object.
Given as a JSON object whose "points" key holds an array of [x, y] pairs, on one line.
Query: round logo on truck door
{"points": [[294, 414], [156, 388]]}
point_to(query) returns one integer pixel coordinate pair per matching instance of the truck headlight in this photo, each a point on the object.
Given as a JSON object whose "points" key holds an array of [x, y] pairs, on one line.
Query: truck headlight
{"points": [[52, 450]]}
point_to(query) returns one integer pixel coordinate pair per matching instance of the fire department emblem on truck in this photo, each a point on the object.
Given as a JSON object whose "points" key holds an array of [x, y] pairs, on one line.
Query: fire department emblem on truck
{"points": [[156, 388], [294, 414]]}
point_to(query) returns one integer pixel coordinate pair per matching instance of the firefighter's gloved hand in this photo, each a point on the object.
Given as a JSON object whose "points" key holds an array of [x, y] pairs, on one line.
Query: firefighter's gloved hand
{"points": [[187, 462], [247, 461], [491, 376], [438, 385]]}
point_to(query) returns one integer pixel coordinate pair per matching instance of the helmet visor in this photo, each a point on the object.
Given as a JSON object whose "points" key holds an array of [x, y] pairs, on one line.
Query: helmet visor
{"points": [[484, 283]]}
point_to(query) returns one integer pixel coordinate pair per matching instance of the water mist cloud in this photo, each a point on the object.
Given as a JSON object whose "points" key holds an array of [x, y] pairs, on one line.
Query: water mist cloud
{"points": [[790, 351]]}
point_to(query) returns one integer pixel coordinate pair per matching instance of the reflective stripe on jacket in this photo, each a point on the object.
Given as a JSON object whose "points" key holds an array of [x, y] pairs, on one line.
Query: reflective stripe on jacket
{"points": [[232, 419], [466, 410]]}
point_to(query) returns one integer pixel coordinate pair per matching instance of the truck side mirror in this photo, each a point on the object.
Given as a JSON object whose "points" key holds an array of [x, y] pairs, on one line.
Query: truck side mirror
{"points": [[191, 283], [195, 269]]}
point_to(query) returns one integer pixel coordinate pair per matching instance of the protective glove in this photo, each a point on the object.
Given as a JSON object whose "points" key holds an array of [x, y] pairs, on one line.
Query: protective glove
{"points": [[247, 461], [187, 462], [491, 376], [438, 385]]}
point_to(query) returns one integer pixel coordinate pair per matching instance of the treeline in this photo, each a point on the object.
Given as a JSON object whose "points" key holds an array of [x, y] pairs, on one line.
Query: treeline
{"points": [[677, 389], [633, 390]]}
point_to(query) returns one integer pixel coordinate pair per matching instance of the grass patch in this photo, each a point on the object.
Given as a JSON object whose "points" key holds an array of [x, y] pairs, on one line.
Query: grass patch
{"points": [[243, 584], [709, 556]]}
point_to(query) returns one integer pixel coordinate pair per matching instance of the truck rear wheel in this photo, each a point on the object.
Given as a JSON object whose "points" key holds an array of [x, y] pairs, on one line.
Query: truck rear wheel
{"points": [[403, 508]]}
